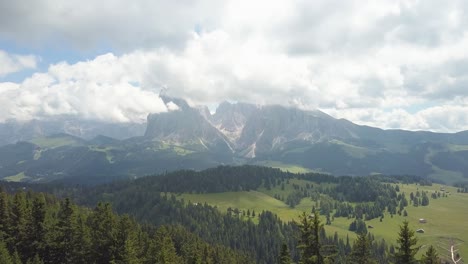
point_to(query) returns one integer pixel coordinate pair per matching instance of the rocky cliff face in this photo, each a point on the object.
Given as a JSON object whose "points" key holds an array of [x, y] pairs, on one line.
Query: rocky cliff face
{"points": [[247, 129], [186, 126]]}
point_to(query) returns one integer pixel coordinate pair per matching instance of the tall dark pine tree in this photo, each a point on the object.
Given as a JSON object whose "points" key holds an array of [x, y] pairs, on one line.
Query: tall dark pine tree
{"points": [[69, 239], [309, 244], [62, 238], [166, 251], [285, 256], [4, 216], [431, 256], [406, 245], [5, 257], [36, 228], [104, 234], [126, 241], [19, 218], [361, 252]]}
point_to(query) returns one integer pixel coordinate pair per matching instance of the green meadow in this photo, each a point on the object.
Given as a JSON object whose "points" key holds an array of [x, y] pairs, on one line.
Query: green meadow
{"points": [[55, 142], [446, 216], [16, 178], [284, 166], [106, 150]]}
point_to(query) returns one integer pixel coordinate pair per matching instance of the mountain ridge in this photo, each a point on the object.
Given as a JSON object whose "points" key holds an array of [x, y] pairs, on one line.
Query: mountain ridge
{"points": [[190, 137]]}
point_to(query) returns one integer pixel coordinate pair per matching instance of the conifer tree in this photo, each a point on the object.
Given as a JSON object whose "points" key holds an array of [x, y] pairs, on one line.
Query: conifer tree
{"points": [[309, 242], [285, 256], [15, 259], [406, 245], [431, 256], [126, 241], [62, 237], [167, 253], [19, 218], [35, 260], [103, 234], [36, 228], [4, 216], [81, 239], [5, 257], [361, 254]]}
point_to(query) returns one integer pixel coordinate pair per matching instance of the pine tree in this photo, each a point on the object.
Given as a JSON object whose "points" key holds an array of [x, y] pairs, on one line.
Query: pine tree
{"points": [[35, 228], [425, 199], [406, 245], [361, 254], [285, 256], [309, 243], [126, 241], [5, 257], [167, 252], [61, 239], [431, 256], [15, 259], [35, 260], [81, 241], [19, 218], [103, 234], [4, 216]]}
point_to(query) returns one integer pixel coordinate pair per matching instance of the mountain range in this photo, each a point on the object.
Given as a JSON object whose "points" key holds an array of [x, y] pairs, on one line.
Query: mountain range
{"points": [[191, 137]]}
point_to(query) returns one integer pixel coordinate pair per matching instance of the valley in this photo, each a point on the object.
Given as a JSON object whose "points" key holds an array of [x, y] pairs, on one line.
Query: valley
{"points": [[445, 216], [255, 209], [245, 194]]}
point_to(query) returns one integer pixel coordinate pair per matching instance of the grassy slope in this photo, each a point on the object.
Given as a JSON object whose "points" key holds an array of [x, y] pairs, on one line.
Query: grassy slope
{"points": [[16, 178], [446, 216], [54, 142], [106, 150], [447, 176], [283, 166]]}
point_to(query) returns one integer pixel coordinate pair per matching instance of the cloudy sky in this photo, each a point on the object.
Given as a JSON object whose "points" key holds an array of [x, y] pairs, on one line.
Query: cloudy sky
{"points": [[390, 64]]}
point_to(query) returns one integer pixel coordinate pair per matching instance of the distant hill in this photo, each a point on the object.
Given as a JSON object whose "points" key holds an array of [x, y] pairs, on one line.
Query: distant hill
{"points": [[190, 137], [13, 131]]}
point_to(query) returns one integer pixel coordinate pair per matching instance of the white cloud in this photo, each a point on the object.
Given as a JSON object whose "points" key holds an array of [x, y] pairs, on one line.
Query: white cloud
{"points": [[116, 23], [171, 106], [11, 63], [450, 117], [104, 88], [373, 63]]}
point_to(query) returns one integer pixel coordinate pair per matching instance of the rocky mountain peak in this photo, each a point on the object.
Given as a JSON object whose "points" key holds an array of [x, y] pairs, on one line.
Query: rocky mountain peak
{"points": [[188, 126]]}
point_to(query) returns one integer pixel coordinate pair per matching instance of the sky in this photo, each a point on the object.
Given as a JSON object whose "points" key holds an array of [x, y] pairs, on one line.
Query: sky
{"points": [[389, 64]]}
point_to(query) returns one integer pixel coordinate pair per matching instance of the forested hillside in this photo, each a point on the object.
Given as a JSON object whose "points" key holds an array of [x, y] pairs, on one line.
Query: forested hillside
{"points": [[38, 228], [237, 232], [154, 200]]}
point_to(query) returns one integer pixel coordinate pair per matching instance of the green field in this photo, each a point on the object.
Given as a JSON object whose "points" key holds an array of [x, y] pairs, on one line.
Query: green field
{"points": [[446, 216], [54, 142], [353, 151], [105, 150], [16, 178], [284, 167]]}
